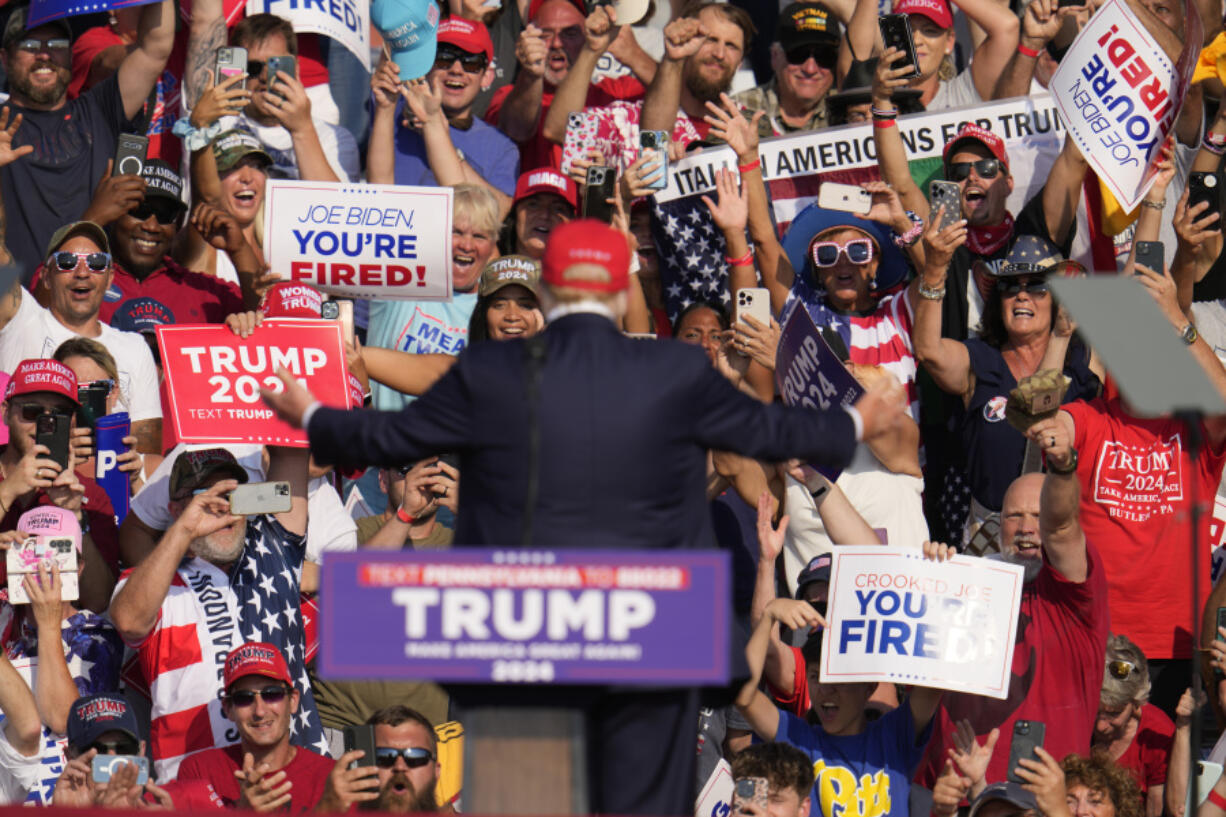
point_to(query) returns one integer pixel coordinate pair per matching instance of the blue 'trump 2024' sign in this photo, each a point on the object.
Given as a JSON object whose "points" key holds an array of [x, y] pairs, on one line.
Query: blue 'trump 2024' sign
{"points": [[541, 616]]}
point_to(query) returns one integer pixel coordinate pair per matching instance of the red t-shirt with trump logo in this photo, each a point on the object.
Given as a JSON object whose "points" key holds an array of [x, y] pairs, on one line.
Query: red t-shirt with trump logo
{"points": [[1137, 481]]}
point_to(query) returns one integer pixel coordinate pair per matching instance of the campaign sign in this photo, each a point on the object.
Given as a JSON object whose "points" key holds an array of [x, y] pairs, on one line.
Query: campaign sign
{"points": [[1119, 94], [807, 372], [483, 615], [361, 241], [42, 11], [896, 616], [346, 21], [214, 377]]}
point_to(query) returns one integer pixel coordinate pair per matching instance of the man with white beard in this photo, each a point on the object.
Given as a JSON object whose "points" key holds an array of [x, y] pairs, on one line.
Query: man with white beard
{"points": [[1062, 624]]}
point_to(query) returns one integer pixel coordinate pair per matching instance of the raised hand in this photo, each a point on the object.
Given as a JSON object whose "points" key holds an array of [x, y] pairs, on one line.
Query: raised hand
{"points": [[8, 130], [208, 512], [531, 50], [1045, 779], [682, 38], [887, 79], [346, 787], [795, 614], [732, 211], [757, 341], [385, 84], [227, 99], [939, 245], [770, 536], [600, 29], [423, 98], [886, 207], [1053, 438], [115, 196], [258, 789], [729, 123], [218, 228], [642, 171], [289, 104], [948, 791], [970, 756], [1199, 232]]}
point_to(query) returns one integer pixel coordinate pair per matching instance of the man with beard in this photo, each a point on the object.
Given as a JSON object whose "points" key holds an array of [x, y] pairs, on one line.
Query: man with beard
{"points": [[214, 581], [264, 771], [401, 777], [66, 145], [803, 59], [1061, 628], [703, 48], [555, 45]]}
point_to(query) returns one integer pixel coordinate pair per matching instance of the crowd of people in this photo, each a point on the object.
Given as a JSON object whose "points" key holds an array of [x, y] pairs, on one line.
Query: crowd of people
{"points": [[188, 643]]}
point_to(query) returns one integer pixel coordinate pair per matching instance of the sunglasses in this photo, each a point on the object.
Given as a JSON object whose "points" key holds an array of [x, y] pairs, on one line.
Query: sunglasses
{"points": [[1121, 669], [385, 756], [984, 169], [32, 411], [246, 697], [255, 68], [824, 56], [1035, 286], [56, 44], [472, 63], [166, 213], [115, 747], [826, 253], [96, 261]]}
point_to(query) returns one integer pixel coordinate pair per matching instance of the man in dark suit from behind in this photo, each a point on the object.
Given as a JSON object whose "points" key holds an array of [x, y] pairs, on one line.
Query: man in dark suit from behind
{"points": [[621, 430]]}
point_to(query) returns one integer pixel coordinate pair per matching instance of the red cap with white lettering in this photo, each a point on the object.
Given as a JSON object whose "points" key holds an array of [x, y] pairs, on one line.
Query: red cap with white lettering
{"points": [[42, 375], [292, 300], [546, 180], [587, 242]]}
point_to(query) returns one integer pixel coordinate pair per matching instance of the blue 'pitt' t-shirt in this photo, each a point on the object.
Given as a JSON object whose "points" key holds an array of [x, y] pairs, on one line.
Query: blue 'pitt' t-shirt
{"points": [[864, 775], [487, 149]]}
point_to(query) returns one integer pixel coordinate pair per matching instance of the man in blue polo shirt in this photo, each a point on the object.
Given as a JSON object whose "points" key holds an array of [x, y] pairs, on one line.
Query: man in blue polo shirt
{"points": [[463, 65]]}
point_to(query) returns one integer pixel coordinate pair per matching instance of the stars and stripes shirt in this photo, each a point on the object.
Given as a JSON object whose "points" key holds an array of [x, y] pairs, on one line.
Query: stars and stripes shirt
{"points": [[691, 251], [207, 613], [877, 337]]}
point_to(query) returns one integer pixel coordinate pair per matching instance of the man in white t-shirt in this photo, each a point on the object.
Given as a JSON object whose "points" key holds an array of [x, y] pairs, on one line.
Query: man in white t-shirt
{"points": [[20, 738], [76, 274]]}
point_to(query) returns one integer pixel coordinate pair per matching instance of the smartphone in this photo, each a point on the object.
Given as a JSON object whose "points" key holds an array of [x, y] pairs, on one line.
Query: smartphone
{"points": [[93, 402], [1026, 736], [1204, 186], [949, 195], [641, 335], [52, 431], [657, 140], [1149, 254], [231, 61], [1207, 775], [104, 766], [580, 138], [846, 198], [1221, 622], [287, 64], [750, 790], [130, 153], [896, 33], [361, 736], [754, 302], [26, 557], [598, 188], [260, 497], [836, 344]]}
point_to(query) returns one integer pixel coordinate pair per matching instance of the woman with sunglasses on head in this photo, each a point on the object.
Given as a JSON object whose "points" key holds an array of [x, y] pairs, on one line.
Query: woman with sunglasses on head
{"points": [[1133, 732], [1022, 332]]}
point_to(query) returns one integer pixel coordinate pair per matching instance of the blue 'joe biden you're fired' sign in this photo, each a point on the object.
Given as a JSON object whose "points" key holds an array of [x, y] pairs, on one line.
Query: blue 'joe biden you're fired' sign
{"points": [[490, 615]]}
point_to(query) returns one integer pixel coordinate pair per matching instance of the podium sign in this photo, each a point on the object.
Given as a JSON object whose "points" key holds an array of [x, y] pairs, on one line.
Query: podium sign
{"points": [[482, 615]]}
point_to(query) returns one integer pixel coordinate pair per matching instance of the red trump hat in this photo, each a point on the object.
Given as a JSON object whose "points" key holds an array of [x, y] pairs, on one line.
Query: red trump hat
{"points": [[466, 35], [42, 375], [587, 241], [256, 658], [290, 300]]}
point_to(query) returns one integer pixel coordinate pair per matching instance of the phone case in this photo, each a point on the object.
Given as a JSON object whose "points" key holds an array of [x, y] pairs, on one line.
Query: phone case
{"points": [[846, 198], [751, 790], [361, 736], [599, 188], [52, 431], [948, 194], [896, 33], [656, 140], [260, 497], [287, 64], [1026, 736], [130, 152], [582, 135], [103, 766], [754, 302], [26, 558], [1150, 254], [1204, 187], [230, 61]]}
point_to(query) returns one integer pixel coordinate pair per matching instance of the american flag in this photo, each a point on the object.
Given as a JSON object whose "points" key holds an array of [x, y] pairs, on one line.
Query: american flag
{"points": [[691, 250]]}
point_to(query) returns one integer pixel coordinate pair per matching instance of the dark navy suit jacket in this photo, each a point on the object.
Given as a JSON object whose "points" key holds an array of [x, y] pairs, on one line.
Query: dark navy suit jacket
{"points": [[625, 428]]}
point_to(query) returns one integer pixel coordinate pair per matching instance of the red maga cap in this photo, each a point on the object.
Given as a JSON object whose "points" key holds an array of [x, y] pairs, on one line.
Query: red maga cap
{"points": [[256, 658], [291, 300], [467, 35], [546, 180], [587, 241], [42, 375], [935, 10], [971, 132]]}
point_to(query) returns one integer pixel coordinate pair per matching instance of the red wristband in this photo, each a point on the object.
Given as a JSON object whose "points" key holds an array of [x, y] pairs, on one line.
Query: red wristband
{"points": [[404, 517], [749, 168], [1027, 52], [744, 261], [884, 123], [1217, 799]]}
